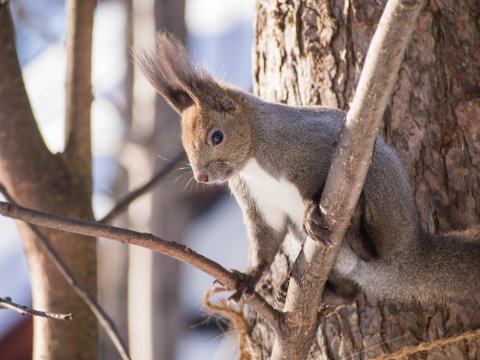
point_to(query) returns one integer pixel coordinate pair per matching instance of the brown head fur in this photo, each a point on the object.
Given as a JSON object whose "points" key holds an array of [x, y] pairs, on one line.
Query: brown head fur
{"points": [[205, 106]]}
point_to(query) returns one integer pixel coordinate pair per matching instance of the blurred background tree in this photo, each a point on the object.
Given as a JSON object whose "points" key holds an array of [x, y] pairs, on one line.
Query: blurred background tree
{"points": [[154, 302]]}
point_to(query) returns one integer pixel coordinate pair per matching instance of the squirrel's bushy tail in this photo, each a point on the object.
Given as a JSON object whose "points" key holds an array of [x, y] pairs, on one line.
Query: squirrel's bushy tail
{"points": [[443, 268]]}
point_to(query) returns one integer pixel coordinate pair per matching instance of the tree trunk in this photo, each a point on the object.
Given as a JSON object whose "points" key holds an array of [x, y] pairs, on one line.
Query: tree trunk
{"points": [[310, 52], [48, 182]]}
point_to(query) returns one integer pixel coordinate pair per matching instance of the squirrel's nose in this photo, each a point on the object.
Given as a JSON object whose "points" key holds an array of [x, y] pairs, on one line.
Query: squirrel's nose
{"points": [[203, 178]]}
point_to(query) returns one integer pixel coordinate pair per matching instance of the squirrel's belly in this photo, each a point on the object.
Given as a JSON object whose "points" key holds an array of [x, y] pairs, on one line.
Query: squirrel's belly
{"points": [[277, 199]]}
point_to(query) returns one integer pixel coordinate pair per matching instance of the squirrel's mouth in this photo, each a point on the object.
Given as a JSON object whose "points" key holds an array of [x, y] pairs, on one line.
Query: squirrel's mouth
{"points": [[217, 176], [223, 178]]}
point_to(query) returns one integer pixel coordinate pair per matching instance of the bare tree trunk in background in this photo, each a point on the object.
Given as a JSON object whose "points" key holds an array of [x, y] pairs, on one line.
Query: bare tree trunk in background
{"points": [[310, 52], [55, 183], [140, 260], [154, 313], [112, 256], [169, 208]]}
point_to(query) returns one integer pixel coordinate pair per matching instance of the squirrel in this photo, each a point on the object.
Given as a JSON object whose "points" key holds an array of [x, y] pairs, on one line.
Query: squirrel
{"points": [[275, 159]]}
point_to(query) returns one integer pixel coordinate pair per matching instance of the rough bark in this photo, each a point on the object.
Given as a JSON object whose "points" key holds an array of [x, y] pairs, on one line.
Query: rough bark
{"points": [[41, 180], [309, 52]]}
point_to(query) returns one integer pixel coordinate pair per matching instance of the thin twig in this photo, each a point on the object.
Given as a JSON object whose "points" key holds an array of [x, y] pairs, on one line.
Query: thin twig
{"points": [[172, 249], [123, 203], [102, 317], [7, 303]]}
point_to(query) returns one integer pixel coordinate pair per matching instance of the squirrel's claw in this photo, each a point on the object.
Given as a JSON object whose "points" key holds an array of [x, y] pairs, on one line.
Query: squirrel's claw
{"points": [[318, 233], [246, 283], [314, 226], [245, 286]]}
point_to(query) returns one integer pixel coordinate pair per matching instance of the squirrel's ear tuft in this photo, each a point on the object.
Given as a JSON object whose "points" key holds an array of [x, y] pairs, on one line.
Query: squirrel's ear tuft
{"points": [[156, 67], [181, 82]]}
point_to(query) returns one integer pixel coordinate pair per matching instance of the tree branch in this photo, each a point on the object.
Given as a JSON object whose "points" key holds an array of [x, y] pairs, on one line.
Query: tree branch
{"points": [[123, 203], [347, 174], [172, 249], [7, 303], [79, 87], [17, 122]]}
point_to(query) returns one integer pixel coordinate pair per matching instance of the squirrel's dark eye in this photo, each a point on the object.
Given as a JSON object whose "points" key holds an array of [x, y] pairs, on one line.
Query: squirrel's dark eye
{"points": [[217, 137]]}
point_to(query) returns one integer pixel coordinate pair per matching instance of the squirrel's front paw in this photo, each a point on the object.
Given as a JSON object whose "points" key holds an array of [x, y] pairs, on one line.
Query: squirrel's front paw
{"points": [[246, 282], [314, 225]]}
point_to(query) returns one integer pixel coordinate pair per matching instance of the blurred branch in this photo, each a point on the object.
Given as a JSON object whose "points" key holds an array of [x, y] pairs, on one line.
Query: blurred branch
{"points": [[123, 203], [7, 303], [172, 249], [102, 317], [79, 87]]}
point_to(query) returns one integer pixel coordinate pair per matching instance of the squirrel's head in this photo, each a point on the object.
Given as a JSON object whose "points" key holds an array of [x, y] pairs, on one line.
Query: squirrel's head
{"points": [[216, 130]]}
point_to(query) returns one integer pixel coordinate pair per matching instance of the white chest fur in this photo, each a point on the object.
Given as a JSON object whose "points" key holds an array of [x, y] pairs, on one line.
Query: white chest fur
{"points": [[276, 199]]}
